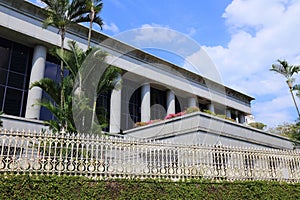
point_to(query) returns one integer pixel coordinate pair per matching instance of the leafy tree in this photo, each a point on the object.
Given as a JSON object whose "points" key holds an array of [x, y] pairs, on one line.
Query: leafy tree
{"points": [[77, 106], [63, 13], [96, 7], [290, 130], [287, 71]]}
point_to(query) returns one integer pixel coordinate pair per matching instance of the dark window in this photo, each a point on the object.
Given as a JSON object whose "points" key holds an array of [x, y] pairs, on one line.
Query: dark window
{"points": [[13, 101], [177, 106], [16, 80], [5, 47], [19, 58], [52, 70], [103, 109], [3, 75], [15, 66], [1, 96], [158, 104], [135, 106]]}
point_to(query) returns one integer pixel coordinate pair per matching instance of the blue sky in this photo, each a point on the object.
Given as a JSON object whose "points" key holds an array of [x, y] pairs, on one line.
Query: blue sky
{"points": [[242, 37]]}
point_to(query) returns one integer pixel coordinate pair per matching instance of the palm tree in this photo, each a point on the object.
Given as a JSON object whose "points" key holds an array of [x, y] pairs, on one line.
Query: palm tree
{"points": [[63, 13], [73, 61], [287, 71], [96, 7]]}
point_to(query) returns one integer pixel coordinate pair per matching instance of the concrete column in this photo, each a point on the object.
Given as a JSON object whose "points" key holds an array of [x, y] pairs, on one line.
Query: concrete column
{"points": [[115, 109], [211, 107], [145, 105], [170, 102], [228, 113], [37, 73], [192, 102]]}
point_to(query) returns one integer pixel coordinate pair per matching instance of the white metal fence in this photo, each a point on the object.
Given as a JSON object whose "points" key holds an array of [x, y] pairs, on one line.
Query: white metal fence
{"points": [[104, 157]]}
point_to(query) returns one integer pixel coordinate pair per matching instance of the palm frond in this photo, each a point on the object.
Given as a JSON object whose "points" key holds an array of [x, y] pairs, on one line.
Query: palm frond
{"points": [[297, 89], [50, 87]]}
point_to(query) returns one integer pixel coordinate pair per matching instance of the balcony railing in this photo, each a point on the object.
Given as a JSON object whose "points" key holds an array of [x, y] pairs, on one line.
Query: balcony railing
{"points": [[111, 157]]}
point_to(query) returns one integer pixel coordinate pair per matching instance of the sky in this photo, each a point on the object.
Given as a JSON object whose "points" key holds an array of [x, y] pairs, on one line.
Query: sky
{"points": [[243, 38]]}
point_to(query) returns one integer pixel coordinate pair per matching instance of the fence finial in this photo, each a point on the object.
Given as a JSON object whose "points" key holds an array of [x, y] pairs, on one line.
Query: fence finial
{"points": [[62, 132]]}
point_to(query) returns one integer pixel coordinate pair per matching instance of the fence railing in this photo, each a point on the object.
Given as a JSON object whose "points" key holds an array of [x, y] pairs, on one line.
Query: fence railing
{"points": [[104, 157]]}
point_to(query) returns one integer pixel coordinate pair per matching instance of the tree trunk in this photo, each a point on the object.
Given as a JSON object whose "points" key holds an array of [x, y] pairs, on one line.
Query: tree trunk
{"points": [[91, 16], [62, 68], [90, 34], [295, 102], [290, 84]]}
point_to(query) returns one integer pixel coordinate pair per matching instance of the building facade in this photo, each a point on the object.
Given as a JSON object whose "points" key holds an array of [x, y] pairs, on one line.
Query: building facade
{"points": [[151, 87]]}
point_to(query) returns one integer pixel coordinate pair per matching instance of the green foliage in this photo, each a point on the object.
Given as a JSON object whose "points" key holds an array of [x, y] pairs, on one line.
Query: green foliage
{"points": [[1, 113], [209, 112], [257, 125], [68, 187], [192, 109], [291, 130], [218, 115], [63, 13], [288, 71], [297, 89], [285, 69]]}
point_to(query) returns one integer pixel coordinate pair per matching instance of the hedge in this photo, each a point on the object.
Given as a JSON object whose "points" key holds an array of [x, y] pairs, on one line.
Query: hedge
{"points": [[68, 187]]}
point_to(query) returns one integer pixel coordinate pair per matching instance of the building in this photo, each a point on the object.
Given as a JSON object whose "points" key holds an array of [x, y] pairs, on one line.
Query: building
{"points": [[151, 87]]}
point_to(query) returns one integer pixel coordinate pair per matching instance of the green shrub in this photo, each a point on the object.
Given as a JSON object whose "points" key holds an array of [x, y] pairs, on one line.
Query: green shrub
{"points": [[257, 125], [75, 187], [192, 109], [209, 112]]}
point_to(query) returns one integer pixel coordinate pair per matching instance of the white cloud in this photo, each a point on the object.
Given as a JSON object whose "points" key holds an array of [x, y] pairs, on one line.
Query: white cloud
{"points": [[161, 38], [111, 27], [261, 33]]}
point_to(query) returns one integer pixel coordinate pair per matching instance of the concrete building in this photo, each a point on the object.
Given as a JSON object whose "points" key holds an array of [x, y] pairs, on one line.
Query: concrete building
{"points": [[151, 87]]}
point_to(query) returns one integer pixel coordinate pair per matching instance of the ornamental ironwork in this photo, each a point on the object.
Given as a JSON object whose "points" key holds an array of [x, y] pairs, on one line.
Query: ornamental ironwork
{"points": [[114, 157]]}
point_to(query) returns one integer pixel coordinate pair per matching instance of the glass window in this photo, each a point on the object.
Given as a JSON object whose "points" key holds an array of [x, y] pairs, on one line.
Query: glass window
{"points": [[45, 114], [52, 70], [16, 80], [19, 58], [3, 75], [15, 62], [135, 106], [4, 58], [103, 107], [13, 99], [158, 97], [5, 46], [1, 96]]}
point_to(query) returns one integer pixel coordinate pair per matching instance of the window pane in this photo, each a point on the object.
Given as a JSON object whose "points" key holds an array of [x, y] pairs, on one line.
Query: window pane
{"points": [[3, 75], [24, 104], [19, 58], [4, 57], [12, 103], [45, 114], [16, 80], [51, 71], [1, 96]]}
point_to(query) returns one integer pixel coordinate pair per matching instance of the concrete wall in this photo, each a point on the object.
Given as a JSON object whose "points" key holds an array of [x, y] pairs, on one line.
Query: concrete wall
{"points": [[201, 128], [19, 123]]}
